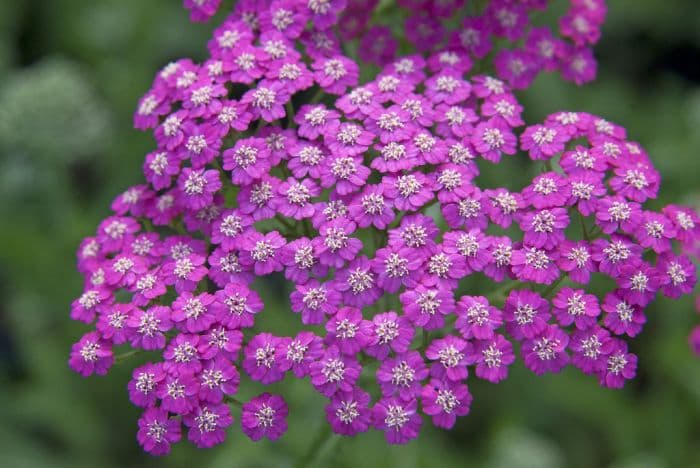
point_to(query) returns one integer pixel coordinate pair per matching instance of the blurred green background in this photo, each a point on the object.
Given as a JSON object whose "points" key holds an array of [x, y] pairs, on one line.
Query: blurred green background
{"points": [[71, 72]]}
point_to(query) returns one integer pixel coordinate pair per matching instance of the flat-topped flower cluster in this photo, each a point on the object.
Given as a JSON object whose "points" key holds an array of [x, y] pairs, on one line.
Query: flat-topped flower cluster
{"points": [[502, 33], [272, 160]]}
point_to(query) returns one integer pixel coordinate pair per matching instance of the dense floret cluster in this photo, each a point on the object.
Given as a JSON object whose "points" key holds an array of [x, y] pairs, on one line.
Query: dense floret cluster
{"points": [[502, 33], [272, 160]]}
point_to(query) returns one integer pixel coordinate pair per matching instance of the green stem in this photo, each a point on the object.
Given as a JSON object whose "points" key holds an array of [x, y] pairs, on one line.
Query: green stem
{"points": [[290, 114], [312, 454], [583, 227], [317, 96], [233, 401], [550, 289], [286, 224], [496, 293], [118, 359]]}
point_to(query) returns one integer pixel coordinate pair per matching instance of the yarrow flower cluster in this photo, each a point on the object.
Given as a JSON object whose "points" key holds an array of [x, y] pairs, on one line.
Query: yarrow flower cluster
{"points": [[503, 32], [271, 160]]}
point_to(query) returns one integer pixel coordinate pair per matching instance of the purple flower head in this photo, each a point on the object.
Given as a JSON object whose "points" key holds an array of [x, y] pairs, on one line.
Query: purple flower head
{"points": [[300, 352], [408, 192], [248, 160], [449, 352], [91, 355], [197, 187], [220, 341], [581, 160], [184, 272], [269, 161], [395, 267], [261, 251], [112, 324], [315, 120], [620, 366], [543, 141], [295, 198], [417, 232], [611, 256], [655, 232], [638, 283], [182, 355], [142, 387], [218, 378], [263, 358], [503, 206], [392, 124], [402, 375], [307, 159], [229, 227], [371, 208], [266, 101], [157, 431], [547, 190], [358, 283], [575, 258], [236, 306], [444, 401], [615, 213], [526, 314], [335, 245], [505, 106], [193, 313], [544, 229], [148, 327], [590, 349], [622, 317], [492, 358], [315, 301], [201, 146], [493, 138], [334, 372], [301, 260], [457, 122], [476, 318], [468, 211], [348, 331], [346, 173], [348, 413], [391, 333], [637, 182], [336, 74], [427, 306], [178, 393], [677, 275], [207, 423], [399, 419], [687, 223], [577, 307], [546, 352], [447, 88], [536, 265], [90, 303], [264, 416]]}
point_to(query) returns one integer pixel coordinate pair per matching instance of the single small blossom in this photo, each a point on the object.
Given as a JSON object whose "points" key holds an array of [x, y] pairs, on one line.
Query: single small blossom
{"points": [[577, 307], [348, 413], [444, 401], [157, 431], [492, 358], [207, 423], [264, 416], [399, 420]]}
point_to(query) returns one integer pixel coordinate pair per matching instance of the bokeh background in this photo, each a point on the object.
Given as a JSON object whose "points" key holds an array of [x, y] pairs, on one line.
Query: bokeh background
{"points": [[71, 72]]}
